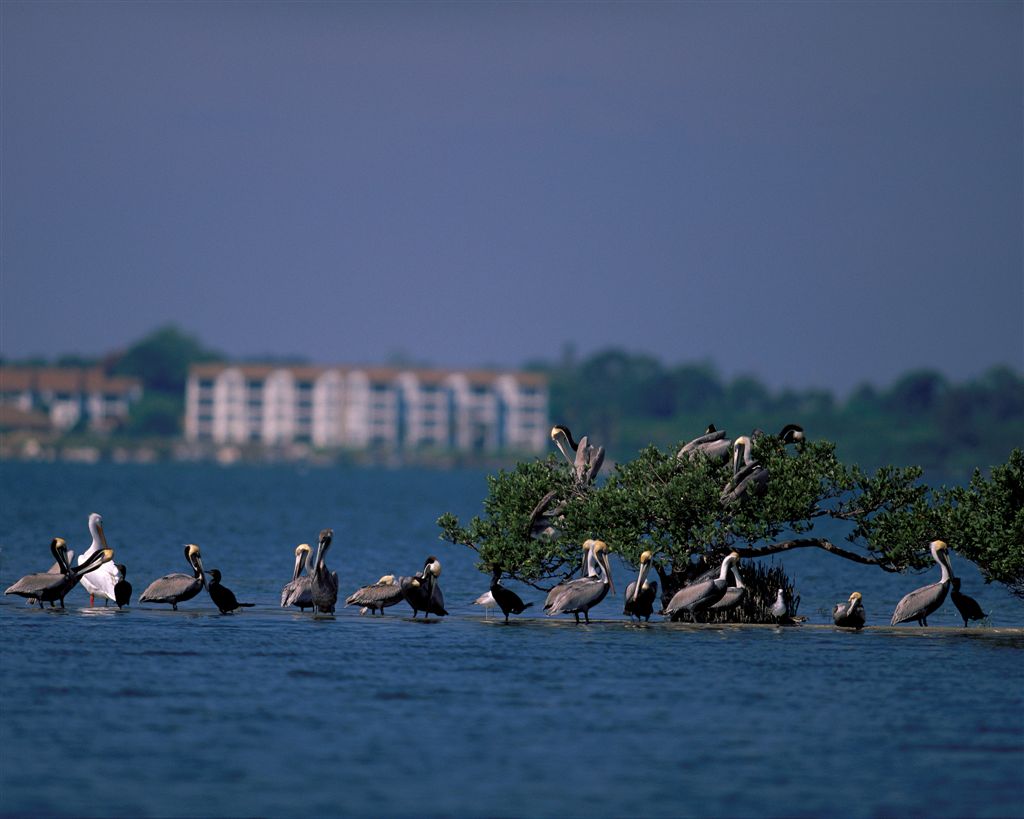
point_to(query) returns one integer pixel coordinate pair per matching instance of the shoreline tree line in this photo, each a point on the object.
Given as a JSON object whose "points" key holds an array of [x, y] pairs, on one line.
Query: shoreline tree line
{"points": [[626, 401]]}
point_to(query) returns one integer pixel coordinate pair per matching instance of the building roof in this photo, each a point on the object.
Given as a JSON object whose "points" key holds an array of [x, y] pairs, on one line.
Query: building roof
{"points": [[65, 379], [374, 374]]}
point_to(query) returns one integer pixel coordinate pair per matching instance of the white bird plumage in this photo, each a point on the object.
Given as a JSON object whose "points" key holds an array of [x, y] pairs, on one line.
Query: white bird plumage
{"points": [[99, 582]]}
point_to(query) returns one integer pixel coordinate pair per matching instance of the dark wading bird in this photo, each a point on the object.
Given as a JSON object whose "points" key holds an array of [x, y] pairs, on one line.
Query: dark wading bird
{"points": [[53, 586], [178, 587], [697, 597], [122, 589], [641, 594], [507, 600], [323, 583], [296, 591], [968, 607], [850, 614], [580, 596], [377, 596], [421, 591], [101, 581], [924, 601], [223, 598]]}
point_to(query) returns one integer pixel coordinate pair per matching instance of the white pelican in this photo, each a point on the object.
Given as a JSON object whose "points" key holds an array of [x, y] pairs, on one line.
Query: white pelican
{"points": [[100, 582], [640, 595], [923, 601], [850, 614], [178, 587], [580, 596], [699, 596]]}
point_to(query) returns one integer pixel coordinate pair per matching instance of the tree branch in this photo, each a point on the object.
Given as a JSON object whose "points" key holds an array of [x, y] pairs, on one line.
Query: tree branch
{"points": [[819, 543]]}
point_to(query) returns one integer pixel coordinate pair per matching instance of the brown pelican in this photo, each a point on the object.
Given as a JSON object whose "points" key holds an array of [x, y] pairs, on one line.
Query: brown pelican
{"points": [[580, 596], [697, 597], [52, 586], [178, 587], [296, 591], [747, 474], [967, 606], [713, 443], [792, 434], [850, 614], [585, 460], [222, 597], [640, 595], [733, 595], [422, 592], [376, 597], [508, 601], [100, 582], [545, 515], [122, 589], [590, 569], [323, 583], [923, 601]]}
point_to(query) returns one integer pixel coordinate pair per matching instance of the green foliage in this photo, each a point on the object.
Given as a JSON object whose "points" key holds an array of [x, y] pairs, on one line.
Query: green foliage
{"points": [[627, 401], [671, 506], [155, 415], [985, 521], [161, 360]]}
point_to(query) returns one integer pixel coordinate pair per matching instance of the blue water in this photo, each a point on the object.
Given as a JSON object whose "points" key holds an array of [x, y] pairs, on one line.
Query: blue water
{"points": [[149, 712]]}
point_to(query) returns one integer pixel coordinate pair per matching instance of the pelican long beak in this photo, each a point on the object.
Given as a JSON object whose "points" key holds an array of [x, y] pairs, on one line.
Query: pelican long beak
{"points": [[298, 565], [59, 550], [603, 557], [102, 534], [96, 559], [641, 578]]}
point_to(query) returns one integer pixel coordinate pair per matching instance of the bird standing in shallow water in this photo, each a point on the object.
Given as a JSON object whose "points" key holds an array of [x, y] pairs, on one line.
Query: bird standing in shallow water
{"points": [[968, 607], [640, 594], [507, 600], [122, 588], [924, 601], [850, 614], [377, 596], [178, 587], [296, 591], [323, 584], [52, 586], [100, 581], [222, 596]]}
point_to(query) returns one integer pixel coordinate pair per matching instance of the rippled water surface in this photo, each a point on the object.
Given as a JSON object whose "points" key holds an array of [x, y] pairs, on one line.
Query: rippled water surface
{"points": [[149, 712]]}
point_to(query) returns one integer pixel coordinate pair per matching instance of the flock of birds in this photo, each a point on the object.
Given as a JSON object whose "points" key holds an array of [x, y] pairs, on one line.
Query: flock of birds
{"points": [[314, 586]]}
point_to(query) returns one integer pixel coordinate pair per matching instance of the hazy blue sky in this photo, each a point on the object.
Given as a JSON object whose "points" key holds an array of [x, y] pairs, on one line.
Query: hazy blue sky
{"points": [[815, 193]]}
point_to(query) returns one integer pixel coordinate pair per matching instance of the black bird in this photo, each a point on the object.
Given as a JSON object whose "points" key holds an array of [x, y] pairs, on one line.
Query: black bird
{"points": [[968, 607], [508, 601], [222, 596], [122, 588], [422, 592]]}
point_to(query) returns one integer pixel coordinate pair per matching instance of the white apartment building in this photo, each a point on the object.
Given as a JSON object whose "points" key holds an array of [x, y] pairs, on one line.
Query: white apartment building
{"points": [[66, 395], [367, 407]]}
